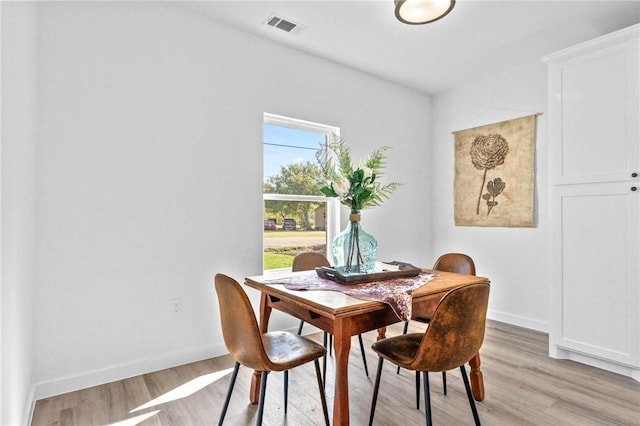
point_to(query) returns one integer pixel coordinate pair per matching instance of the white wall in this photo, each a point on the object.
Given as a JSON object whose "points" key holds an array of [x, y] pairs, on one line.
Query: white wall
{"points": [[149, 177], [17, 225], [517, 260]]}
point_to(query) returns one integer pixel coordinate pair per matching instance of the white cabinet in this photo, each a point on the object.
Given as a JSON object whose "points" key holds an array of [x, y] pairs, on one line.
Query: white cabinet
{"points": [[594, 120]]}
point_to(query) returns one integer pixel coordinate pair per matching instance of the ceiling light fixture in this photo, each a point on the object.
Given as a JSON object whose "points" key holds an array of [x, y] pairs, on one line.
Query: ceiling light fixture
{"points": [[416, 12]]}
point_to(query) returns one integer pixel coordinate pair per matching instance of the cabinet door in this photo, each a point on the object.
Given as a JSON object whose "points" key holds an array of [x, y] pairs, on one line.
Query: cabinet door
{"points": [[596, 114], [596, 240]]}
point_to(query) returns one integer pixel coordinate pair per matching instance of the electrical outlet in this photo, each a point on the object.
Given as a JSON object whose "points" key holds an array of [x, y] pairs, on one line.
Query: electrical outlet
{"points": [[176, 305]]}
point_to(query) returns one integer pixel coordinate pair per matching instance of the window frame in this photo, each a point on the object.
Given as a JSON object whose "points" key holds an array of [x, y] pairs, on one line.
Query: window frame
{"points": [[333, 206]]}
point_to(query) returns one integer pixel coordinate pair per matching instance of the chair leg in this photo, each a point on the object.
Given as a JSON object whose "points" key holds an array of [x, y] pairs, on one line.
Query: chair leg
{"points": [[404, 331], [324, 359], [427, 398], [330, 344], [236, 367], [263, 388], [417, 390], [444, 381], [364, 357], [300, 327], [323, 398], [286, 390], [375, 390], [472, 402]]}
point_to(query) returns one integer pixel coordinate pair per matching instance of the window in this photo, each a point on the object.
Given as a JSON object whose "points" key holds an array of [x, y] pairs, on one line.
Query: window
{"points": [[297, 216]]}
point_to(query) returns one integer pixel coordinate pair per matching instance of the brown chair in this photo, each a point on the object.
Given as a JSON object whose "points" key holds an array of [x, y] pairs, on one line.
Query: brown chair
{"points": [[450, 262], [454, 336], [266, 352], [307, 261]]}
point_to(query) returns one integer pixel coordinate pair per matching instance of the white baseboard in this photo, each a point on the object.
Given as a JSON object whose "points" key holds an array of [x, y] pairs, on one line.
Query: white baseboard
{"points": [[122, 371], [525, 322], [556, 351], [29, 406]]}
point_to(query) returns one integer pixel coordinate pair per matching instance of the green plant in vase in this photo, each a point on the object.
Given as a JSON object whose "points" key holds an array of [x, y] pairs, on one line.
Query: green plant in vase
{"points": [[358, 188]]}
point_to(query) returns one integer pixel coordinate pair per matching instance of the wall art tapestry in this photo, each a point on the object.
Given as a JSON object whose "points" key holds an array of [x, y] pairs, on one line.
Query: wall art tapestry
{"points": [[494, 174]]}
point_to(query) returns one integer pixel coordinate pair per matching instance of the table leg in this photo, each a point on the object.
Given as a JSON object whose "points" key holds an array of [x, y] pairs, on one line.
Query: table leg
{"points": [[477, 381], [265, 313], [342, 346]]}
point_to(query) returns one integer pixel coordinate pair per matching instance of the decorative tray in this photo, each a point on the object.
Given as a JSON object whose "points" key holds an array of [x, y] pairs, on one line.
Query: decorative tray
{"points": [[388, 270]]}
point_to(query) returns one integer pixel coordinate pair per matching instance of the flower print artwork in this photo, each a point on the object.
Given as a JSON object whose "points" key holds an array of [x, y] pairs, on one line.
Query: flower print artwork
{"points": [[488, 152], [494, 174]]}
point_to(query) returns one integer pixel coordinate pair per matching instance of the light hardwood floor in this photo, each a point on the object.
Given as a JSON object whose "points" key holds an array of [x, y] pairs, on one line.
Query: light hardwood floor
{"points": [[523, 387]]}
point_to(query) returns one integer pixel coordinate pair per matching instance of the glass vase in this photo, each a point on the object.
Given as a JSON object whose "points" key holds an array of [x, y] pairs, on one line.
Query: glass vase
{"points": [[354, 250]]}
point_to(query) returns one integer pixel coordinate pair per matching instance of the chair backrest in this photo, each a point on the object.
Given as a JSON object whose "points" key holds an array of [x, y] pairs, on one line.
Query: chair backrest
{"points": [[239, 326], [456, 330], [309, 260], [455, 262]]}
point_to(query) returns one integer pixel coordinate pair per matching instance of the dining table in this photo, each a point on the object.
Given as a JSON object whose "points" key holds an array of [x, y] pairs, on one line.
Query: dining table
{"points": [[345, 316]]}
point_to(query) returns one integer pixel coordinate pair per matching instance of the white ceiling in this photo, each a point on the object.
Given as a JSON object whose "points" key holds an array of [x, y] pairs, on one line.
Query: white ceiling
{"points": [[478, 38]]}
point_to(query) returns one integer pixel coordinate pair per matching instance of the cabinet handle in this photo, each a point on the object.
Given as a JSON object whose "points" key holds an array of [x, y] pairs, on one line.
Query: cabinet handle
{"points": [[633, 188], [634, 174]]}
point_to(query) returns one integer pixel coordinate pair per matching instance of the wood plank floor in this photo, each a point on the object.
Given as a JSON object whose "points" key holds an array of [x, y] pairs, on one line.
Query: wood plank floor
{"points": [[523, 387]]}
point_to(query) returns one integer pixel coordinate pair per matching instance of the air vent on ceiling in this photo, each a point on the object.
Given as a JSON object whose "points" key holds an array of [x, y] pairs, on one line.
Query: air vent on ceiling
{"points": [[283, 24]]}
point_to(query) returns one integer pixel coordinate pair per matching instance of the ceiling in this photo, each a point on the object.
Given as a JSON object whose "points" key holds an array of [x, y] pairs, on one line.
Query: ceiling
{"points": [[478, 38]]}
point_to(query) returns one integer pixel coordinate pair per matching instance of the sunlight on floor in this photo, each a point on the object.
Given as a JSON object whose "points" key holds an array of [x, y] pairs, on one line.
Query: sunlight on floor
{"points": [[135, 420], [185, 390]]}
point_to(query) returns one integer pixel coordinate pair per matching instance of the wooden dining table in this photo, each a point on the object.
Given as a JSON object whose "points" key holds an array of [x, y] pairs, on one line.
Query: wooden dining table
{"points": [[344, 316]]}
